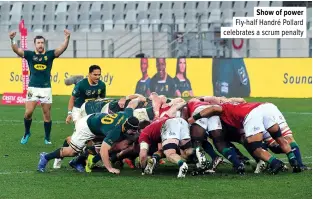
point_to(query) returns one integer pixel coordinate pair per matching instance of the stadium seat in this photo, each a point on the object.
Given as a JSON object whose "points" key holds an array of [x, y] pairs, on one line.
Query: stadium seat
{"points": [[73, 16], [191, 19], [95, 20], [111, 20], [155, 16], [84, 17], [5, 16], [16, 13], [107, 15], [49, 16], [61, 14], [38, 17], [179, 13], [143, 16], [167, 18], [118, 13]]}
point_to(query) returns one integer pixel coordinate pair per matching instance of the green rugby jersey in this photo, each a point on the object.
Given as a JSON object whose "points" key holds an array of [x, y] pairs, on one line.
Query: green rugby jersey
{"points": [[84, 91], [109, 125], [40, 66]]}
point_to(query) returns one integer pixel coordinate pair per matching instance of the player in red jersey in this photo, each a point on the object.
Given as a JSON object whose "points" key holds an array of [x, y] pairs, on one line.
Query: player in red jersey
{"points": [[148, 140], [254, 118], [173, 133], [287, 134], [212, 127]]}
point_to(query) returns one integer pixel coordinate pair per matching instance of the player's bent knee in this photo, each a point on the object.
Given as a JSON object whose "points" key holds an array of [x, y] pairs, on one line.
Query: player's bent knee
{"points": [[187, 145], [252, 146], [170, 148], [273, 128], [289, 138], [67, 152], [276, 134], [68, 139]]}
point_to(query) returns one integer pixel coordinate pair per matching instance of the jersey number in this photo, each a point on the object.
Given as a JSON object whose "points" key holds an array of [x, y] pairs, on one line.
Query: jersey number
{"points": [[109, 119]]}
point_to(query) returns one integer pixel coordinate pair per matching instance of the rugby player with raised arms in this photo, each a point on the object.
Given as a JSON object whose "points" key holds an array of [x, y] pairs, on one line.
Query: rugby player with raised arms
{"points": [[39, 88]]}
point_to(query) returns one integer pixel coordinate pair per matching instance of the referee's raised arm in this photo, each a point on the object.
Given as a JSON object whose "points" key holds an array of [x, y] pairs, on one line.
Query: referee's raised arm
{"points": [[63, 47], [15, 48]]}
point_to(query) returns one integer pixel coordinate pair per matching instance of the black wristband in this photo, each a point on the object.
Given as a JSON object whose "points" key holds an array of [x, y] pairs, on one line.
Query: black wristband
{"points": [[197, 116]]}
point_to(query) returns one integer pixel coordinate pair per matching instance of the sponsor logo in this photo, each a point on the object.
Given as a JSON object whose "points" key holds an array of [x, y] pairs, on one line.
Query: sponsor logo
{"points": [[88, 92], [40, 67], [256, 128], [243, 76], [35, 58]]}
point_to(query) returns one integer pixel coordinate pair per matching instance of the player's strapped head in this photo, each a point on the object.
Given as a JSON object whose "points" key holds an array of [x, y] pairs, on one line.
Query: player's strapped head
{"points": [[39, 42], [131, 125]]}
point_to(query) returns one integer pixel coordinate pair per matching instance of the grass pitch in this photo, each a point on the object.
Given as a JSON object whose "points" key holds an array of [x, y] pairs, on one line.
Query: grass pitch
{"points": [[19, 179]]}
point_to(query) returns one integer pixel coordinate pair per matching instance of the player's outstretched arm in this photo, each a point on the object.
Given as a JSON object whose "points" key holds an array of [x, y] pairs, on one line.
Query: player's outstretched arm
{"points": [[133, 103], [15, 48], [134, 96], [211, 99], [64, 45], [104, 152], [237, 100], [208, 112], [143, 155]]}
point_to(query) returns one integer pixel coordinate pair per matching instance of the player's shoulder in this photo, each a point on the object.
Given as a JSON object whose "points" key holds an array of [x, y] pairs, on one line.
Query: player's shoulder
{"points": [[169, 77], [28, 53], [50, 52], [101, 83], [82, 81]]}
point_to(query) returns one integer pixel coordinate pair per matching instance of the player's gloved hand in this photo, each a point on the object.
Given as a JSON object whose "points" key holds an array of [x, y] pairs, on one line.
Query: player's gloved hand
{"points": [[12, 35], [115, 171], [191, 120], [68, 119]]}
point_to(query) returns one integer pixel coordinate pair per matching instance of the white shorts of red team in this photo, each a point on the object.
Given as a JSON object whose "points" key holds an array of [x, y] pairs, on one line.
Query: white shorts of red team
{"points": [[262, 118], [175, 128], [42, 95], [81, 134], [209, 124]]}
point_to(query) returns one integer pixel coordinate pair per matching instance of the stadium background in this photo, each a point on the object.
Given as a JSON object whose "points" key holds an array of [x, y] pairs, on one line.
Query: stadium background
{"points": [[111, 34]]}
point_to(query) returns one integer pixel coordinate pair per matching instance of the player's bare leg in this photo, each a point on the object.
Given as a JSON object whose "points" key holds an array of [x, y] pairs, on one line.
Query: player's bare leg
{"points": [[254, 145], [46, 111], [276, 134], [198, 137], [58, 161], [169, 147], [29, 109], [59, 153]]}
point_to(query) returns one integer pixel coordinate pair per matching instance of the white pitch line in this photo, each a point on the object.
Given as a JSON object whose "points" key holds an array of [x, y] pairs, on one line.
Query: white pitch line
{"points": [[298, 113], [34, 121]]}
